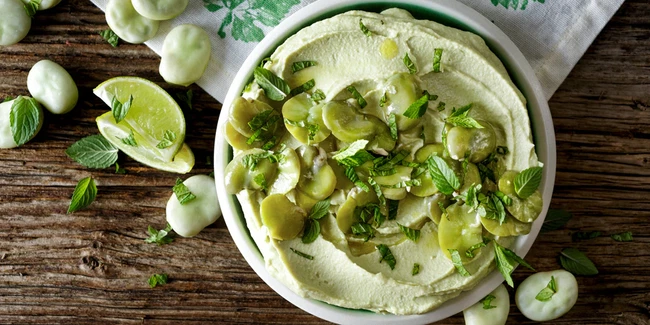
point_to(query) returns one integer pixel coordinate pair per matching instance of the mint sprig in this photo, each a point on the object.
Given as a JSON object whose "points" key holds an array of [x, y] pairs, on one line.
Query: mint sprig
{"points": [[527, 182], [442, 175], [93, 152]]}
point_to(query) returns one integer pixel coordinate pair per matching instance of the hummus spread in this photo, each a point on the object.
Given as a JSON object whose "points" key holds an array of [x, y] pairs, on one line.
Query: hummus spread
{"points": [[387, 58]]}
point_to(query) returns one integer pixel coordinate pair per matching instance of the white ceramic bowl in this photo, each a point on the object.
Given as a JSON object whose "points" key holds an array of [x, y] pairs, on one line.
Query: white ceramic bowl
{"points": [[450, 13]]}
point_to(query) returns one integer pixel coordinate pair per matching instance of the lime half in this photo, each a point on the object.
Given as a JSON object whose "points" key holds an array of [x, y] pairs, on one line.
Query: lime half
{"points": [[153, 130]]}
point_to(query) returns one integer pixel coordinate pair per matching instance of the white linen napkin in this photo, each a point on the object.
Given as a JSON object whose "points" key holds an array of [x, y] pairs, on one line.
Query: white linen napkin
{"points": [[552, 34]]}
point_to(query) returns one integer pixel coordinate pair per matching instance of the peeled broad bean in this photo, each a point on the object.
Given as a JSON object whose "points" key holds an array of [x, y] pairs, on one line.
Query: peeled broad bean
{"points": [[459, 230], [128, 24], [302, 109], [402, 92], [160, 9], [498, 315], [317, 178], [346, 123], [14, 22], [243, 111], [510, 227], [190, 218], [185, 55], [284, 219], [524, 210], [6, 136], [52, 86], [560, 302], [239, 177], [475, 144]]}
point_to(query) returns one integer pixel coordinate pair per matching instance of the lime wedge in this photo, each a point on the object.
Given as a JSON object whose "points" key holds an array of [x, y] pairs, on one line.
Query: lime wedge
{"points": [[154, 121]]}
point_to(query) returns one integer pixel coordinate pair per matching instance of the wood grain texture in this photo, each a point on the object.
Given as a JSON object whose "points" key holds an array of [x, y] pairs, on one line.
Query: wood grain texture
{"points": [[91, 267]]}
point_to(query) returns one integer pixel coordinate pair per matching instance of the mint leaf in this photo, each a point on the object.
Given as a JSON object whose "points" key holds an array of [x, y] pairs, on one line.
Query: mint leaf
{"points": [[378, 191], [351, 150], [183, 193], [623, 237], [250, 161], [460, 118], [470, 251], [24, 119], [458, 262], [120, 110], [318, 95], [437, 60], [274, 87], [386, 256], [301, 254], [93, 152], [409, 64], [505, 260], [159, 237], [555, 219], [119, 170], [356, 95], [418, 108], [412, 234], [416, 269], [547, 293], [584, 235], [319, 210], [311, 231], [392, 124], [301, 65], [441, 106], [487, 302], [110, 37], [31, 7], [130, 140], [527, 182], [577, 262], [168, 140], [351, 174], [303, 88], [260, 180], [364, 29], [184, 99], [442, 175], [363, 230], [84, 194], [158, 279]]}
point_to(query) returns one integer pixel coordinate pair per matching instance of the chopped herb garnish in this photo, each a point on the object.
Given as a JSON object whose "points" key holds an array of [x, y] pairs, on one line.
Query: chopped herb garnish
{"points": [[159, 237], [364, 29], [442, 175], [319, 210], [392, 209], [584, 235], [418, 108], [437, 60], [351, 174], [130, 140], [158, 279], [547, 293], [458, 262], [168, 140], [311, 231], [84, 194], [504, 198], [263, 126], [623, 237], [250, 161], [577, 262], [301, 254], [274, 87], [378, 191], [527, 182], [502, 150], [416, 269], [392, 124], [118, 169], [184, 99], [110, 37], [487, 302], [441, 106], [409, 183], [383, 100], [31, 7], [459, 117], [301, 65], [318, 95], [356, 95], [409, 64], [349, 155], [412, 234], [386, 256], [303, 88], [261, 181], [363, 230], [183, 193], [492, 208], [120, 110], [470, 251], [505, 260]]}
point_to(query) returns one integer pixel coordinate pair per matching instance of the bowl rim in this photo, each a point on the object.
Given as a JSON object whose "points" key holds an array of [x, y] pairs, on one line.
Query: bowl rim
{"points": [[518, 68]]}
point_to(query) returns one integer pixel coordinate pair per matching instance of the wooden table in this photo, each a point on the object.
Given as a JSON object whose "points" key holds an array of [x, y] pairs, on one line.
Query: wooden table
{"points": [[92, 266]]}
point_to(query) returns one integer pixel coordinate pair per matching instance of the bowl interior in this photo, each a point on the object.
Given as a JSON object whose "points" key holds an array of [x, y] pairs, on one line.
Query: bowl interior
{"points": [[450, 13]]}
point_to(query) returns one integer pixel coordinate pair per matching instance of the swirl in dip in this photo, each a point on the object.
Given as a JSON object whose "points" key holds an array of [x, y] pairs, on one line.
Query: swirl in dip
{"points": [[396, 155]]}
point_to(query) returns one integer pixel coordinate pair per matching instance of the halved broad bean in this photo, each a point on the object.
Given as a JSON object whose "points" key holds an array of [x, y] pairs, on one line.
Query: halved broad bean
{"points": [[128, 24], [471, 177], [302, 109], [6, 136], [498, 315], [190, 218], [459, 230], [288, 173], [524, 210], [284, 219], [402, 92], [342, 181], [160, 9], [433, 206], [402, 174], [236, 139], [345, 215], [560, 302], [383, 142], [238, 177], [185, 55], [317, 178], [14, 22], [244, 110], [426, 187], [346, 123], [475, 144], [510, 227], [52, 86]]}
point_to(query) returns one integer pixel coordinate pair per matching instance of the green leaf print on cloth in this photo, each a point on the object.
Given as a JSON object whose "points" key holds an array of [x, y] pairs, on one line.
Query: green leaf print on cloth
{"points": [[514, 4], [245, 17]]}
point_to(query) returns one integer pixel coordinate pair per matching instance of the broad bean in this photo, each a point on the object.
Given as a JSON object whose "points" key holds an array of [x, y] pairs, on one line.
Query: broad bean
{"points": [[495, 315], [190, 218], [185, 55], [128, 24], [52, 86], [160, 9], [560, 302], [14, 22]]}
